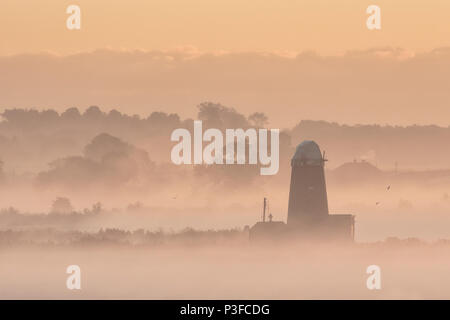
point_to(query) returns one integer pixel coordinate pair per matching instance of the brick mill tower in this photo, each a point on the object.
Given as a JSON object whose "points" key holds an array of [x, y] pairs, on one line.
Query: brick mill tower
{"points": [[308, 202]]}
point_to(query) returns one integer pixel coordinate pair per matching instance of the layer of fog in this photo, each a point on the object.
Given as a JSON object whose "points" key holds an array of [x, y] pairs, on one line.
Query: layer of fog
{"points": [[228, 272]]}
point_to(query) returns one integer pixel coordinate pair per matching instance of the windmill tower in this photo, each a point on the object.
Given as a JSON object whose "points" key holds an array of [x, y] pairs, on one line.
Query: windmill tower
{"points": [[308, 216], [308, 202]]}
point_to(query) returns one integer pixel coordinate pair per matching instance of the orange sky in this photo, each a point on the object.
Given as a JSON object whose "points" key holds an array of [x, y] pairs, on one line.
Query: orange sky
{"points": [[158, 57], [325, 26]]}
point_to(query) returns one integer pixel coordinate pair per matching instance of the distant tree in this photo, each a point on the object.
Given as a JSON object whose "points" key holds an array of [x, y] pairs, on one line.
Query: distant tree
{"points": [[104, 144], [258, 119], [215, 115], [48, 117], [21, 118], [115, 115], [163, 119], [71, 114], [62, 206], [135, 206], [93, 113], [97, 208], [76, 172]]}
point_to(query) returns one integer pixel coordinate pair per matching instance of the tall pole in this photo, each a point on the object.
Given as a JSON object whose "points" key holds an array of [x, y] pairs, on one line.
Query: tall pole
{"points": [[264, 210]]}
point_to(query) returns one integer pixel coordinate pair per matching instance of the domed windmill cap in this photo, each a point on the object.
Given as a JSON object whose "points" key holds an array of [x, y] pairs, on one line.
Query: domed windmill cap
{"points": [[308, 152]]}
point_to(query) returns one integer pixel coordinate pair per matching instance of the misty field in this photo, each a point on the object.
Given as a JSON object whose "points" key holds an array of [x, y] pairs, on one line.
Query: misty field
{"points": [[408, 270], [85, 188]]}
